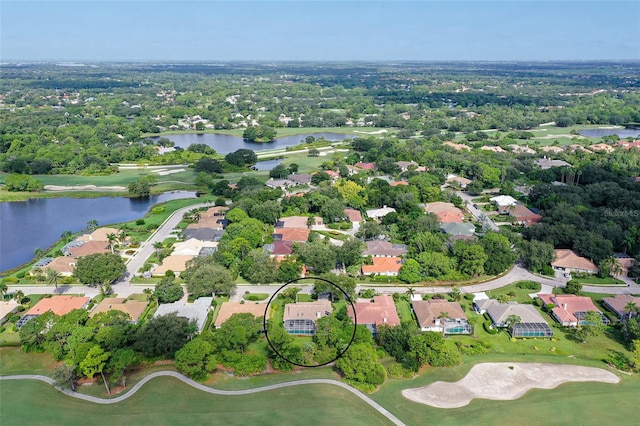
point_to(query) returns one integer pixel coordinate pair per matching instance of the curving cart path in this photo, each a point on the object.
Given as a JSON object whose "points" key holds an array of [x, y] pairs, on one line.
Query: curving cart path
{"points": [[207, 389]]}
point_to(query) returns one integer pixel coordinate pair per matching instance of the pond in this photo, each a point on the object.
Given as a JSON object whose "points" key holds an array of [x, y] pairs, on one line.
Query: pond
{"points": [[267, 164], [622, 133], [224, 144], [39, 222]]}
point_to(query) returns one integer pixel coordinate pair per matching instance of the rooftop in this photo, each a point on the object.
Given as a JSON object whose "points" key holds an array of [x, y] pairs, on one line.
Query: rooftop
{"points": [[231, 308], [299, 222], [134, 308], [569, 259], [383, 265], [59, 305], [384, 248], [381, 311], [307, 310], [427, 311], [197, 310], [291, 234]]}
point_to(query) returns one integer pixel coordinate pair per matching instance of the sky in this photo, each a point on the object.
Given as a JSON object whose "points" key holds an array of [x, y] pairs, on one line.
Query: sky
{"points": [[515, 30]]}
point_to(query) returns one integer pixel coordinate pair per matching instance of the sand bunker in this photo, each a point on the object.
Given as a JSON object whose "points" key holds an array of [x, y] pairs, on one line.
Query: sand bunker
{"points": [[374, 132], [504, 381], [83, 188]]}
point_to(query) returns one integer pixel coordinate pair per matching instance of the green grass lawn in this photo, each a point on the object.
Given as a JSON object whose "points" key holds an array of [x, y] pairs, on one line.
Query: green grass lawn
{"points": [[513, 293], [304, 297], [404, 311], [255, 296], [599, 281], [14, 361]]}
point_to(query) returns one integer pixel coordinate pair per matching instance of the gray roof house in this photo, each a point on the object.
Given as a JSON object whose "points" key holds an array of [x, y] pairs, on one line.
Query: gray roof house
{"points": [[378, 248], [531, 323], [458, 229], [198, 310]]}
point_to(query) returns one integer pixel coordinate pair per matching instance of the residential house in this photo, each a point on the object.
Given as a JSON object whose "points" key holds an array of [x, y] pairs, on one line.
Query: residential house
{"points": [[196, 311], [571, 310], [279, 249], [7, 307], [569, 261], [602, 147], [300, 178], [530, 323], [378, 214], [620, 303], [353, 170], [59, 305], [133, 308], [355, 217], [457, 146], [204, 234], [301, 317], [99, 234], [229, 309], [455, 229], [626, 262], [405, 165], [503, 202], [551, 148], [547, 163], [384, 266], [378, 248], [520, 149], [332, 174], [523, 215], [64, 265], [492, 148], [458, 181], [299, 222], [279, 183], [365, 166], [373, 313], [399, 183], [176, 263], [87, 248], [449, 217], [291, 234], [441, 316], [628, 145]]}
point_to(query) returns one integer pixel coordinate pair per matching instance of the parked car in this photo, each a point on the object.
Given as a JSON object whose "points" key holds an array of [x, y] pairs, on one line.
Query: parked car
{"points": [[567, 275], [475, 206]]}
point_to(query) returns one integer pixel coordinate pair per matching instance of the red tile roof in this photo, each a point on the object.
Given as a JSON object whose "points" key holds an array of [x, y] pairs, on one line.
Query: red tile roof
{"points": [[365, 166], [383, 265], [569, 259], [353, 215], [59, 305], [292, 234], [381, 311], [449, 217]]}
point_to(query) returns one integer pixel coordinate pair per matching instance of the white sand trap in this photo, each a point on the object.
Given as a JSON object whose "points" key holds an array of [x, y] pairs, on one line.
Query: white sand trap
{"points": [[169, 172], [83, 188], [504, 381], [375, 132]]}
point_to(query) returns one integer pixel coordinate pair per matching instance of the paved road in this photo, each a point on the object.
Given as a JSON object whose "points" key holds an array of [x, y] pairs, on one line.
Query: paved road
{"points": [[393, 419], [477, 213]]}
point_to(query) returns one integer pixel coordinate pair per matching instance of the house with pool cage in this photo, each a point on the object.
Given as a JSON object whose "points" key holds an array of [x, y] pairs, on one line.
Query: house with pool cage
{"points": [[522, 320], [300, 318], [441, 316]]}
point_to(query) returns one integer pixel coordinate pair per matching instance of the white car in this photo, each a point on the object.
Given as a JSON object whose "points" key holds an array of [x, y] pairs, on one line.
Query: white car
{"points": [[567, 275]]}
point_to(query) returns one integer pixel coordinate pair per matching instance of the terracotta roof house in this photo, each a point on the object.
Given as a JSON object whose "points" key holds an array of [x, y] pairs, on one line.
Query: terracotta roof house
{"points": [[440, 206], [404, 165], [441, 316], [399, 183], [619, 303], [576, 147], [531, 322], [299, 222], [7, 307], [89, 247], [300, 178], [291, 234], [64, 265], [523, 215], [628, 145], [175, 262], [301, 317], [602, 147], [99, 234], [571, 310], [464, 229], [385, 266], [378, 248], [519, 149], [365, 166], [133, 308], [354, 215], [551, 148], [460, 181], [492, 148], [378, 214], [626, 262], [196, 311], [213, 222], [546, 163], [457, 146], [279, 248], [449, 217], [372, 313], [353, 170], [217, 211], [59, 305], [332, 174], [231, 308], [568, 260]]}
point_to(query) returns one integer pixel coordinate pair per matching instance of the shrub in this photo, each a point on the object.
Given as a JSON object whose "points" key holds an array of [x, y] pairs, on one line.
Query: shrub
{"points": [[10, 280], [487, 327], [20, 308], [13, 318], [529, 285], [469, 296], [20, 275], [140, 222], [549, 307], [368, 294], [256, 297], [151, 227], [2, 329], [479, 348], [397, 371], [67, 280], [158, 210]]}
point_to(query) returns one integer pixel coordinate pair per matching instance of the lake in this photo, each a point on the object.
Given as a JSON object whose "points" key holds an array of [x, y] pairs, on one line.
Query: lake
{"points": [[622, 133], [268, 164], [39, 222], [224, 144]]}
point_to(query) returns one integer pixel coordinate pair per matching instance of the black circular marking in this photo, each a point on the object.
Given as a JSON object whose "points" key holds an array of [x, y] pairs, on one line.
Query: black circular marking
{"points": [[347, 298]]}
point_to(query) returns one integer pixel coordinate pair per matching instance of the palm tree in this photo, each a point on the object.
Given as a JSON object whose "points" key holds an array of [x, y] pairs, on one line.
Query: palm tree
{"points": [[411, 292], [513, 320], [92, 225], [158, 246], [66, 236], [455, 293], [122, 234], [112, 238], [503, 298], [616, 269], [38, 253], [3, 288], [18, 296], [53, 277], [192, 215], [149, 293], [627, 243], [631, 308]]}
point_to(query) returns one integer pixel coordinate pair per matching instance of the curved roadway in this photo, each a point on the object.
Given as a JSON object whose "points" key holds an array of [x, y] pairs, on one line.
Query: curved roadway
{"points": [[207, 389]]}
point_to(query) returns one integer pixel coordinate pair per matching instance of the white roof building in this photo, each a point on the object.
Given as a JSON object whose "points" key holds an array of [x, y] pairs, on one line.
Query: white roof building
{"points": [[504, 200]]}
